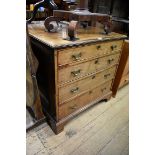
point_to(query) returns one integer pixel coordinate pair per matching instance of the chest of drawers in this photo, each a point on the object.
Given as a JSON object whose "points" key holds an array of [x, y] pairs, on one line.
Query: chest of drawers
{"points": [[73, 76]]}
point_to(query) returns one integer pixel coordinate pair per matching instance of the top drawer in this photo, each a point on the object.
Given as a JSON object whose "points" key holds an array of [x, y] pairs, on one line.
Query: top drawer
{"points": [[75, 54]]}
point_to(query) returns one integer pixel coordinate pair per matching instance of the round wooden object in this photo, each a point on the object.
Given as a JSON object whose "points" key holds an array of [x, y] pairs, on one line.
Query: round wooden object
{"points": [[72, 29]]}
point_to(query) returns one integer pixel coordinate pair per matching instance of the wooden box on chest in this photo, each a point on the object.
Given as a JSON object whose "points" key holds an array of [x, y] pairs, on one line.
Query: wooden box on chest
{"points": [[73, 76]]}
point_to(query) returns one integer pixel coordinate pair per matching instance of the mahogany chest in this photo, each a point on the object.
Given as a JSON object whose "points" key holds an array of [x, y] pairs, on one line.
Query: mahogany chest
{"points": [[73, 76]]}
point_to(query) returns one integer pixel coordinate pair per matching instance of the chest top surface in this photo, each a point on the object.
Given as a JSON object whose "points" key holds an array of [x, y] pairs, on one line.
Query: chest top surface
{"points": [[54, 40]]}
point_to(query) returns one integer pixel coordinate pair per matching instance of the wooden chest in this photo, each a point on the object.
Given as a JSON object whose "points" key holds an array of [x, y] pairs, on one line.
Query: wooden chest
{"points": [[73, 76]]}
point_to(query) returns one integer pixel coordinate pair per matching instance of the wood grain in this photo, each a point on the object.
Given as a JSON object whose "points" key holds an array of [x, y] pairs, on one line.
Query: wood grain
{"points": [[92, 142], [80, 131], [105, 120], [33, 101], [123, 67], [86, 98], [71, 73], [65, 93], [76, 54], [126, 69]]}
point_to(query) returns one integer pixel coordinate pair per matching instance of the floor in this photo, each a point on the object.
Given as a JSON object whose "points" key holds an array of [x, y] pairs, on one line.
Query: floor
{"points": [[101, 130]]}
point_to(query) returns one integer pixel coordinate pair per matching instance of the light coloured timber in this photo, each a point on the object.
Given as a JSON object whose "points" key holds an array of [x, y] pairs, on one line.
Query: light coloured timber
{"points": [[78, 54], [118, 144], [102, 114], [55, 39], [70, 73]]}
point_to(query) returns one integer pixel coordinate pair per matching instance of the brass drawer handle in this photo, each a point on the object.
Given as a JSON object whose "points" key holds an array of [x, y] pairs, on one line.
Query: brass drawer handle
{"points": [[96, 61], [98, 47], [110, 60], [106, 75], [76, 73], [73, 107], [75, 90], [102, 90], [113, 47], [77, 56]]}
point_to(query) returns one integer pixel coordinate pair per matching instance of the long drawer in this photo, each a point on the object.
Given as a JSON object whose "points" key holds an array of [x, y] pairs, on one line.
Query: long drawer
{"points": [[71, 55], [84, 99], [71, 90], [76, 71]]}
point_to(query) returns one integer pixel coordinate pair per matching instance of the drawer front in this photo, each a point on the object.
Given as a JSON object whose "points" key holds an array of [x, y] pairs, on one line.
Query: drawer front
{"points": [[72, 55], [69, 91], [84, 99], [74, 72]]}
